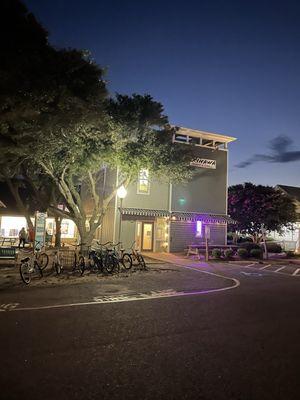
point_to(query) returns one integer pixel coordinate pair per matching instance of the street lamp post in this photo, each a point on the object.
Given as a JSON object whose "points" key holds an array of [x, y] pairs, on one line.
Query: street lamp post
{"points": [[121, 193]]}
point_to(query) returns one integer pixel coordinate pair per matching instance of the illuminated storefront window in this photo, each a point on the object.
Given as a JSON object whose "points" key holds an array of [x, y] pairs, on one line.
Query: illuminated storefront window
{"points": [[143, 182], [11, 226], [67, 228]]}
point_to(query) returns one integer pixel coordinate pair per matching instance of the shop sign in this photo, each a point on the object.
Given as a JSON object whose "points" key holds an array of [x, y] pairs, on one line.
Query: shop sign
{"points": [[204, 163], [40, 227]]}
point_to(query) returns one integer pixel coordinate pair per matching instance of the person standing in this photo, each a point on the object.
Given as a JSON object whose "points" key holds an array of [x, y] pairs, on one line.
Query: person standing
{"points": [[22, 237]]}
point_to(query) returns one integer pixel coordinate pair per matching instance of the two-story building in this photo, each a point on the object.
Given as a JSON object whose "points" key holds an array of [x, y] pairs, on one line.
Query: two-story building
{"points": [[167, 217], [160, 216]]}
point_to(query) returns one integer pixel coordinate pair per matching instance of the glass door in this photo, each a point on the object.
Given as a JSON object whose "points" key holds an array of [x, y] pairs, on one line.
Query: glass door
{"points": [[147, 236]]}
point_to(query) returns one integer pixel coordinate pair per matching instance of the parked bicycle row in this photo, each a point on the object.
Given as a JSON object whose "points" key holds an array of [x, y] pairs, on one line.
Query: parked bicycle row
{"points": [[106, 258]]}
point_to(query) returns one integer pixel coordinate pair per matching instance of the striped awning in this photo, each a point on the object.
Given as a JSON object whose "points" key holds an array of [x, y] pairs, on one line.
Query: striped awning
{"points": [[145, 212], [181, 216], [208, 218]]}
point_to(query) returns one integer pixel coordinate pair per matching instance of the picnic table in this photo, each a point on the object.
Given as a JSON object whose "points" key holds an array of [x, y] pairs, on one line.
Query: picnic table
{"points": [[4, 240], [197, 249]]}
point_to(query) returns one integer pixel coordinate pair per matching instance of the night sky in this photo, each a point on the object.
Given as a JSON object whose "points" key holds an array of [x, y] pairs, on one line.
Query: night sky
{"points": [[230, 67]]}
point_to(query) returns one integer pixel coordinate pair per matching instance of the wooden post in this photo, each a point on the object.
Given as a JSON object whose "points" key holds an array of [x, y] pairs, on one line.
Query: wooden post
{"points": [[263, 231], [207, 237], [206, 249]]}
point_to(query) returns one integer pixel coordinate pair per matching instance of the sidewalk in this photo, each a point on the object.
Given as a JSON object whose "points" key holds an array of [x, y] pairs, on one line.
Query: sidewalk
{"points": [[177, 259], [159, 278]]}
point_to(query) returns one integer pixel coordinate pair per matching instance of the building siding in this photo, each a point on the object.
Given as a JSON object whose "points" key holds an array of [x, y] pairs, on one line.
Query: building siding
{"points": [[158, 199], [207, 191], [183, 233]]}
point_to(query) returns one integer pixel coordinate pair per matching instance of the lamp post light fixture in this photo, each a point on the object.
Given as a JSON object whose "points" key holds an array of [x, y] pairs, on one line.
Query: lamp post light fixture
{"points": [[121, 193]]}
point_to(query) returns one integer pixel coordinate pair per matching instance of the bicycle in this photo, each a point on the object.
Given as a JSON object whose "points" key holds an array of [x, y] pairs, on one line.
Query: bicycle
{"points": [[137, 256], [96, 257], [124, 258], [33, 265], [57, 263], [79, 262]]}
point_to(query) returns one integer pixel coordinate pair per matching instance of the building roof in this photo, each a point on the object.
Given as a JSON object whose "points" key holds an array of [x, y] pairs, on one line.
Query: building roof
{"points": [[205, 135], [292, 191]]}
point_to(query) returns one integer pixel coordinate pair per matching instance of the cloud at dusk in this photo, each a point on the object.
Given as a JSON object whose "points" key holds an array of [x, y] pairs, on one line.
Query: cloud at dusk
{"points": [[279, 152]]}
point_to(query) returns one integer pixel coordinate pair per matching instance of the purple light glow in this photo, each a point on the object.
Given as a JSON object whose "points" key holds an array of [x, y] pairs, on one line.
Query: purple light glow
{"points": [[198, 228]]}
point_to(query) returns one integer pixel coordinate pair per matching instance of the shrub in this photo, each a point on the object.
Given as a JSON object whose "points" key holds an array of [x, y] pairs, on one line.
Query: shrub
{"points": [[256, 253], [249, 246], [273, 247], [216, 253], [228, 253], [290, 254], [243, 253], [244, 239]]}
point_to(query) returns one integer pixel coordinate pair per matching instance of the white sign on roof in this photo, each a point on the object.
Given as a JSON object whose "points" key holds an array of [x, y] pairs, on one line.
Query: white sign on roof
{"points": [[204, 163]]}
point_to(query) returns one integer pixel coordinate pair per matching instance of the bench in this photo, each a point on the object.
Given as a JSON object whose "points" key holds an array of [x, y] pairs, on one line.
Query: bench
{"points": [[7, 253], [196, 249]]}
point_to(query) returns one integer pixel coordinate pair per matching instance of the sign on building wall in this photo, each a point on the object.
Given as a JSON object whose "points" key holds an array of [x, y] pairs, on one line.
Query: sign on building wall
{"points": [[204, 163], [40, 227]]}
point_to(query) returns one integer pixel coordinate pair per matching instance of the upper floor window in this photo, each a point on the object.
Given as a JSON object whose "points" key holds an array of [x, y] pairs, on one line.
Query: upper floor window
{"points": [[143, 182]]}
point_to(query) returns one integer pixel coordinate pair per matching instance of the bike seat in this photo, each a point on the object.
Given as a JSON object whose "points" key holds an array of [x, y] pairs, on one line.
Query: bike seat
{"points": [[25, 259]]}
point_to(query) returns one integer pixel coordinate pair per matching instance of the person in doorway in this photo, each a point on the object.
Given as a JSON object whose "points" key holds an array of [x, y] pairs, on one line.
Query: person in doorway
{"points": [[22, 237]]}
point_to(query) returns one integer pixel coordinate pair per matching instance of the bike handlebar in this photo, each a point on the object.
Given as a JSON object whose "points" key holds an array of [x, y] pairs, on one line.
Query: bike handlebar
{"points": [[103, 244], [116, 244]]}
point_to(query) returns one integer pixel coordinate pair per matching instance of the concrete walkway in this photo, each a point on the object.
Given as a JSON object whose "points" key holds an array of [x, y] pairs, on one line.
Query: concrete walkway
{"points": [[178, 258]]}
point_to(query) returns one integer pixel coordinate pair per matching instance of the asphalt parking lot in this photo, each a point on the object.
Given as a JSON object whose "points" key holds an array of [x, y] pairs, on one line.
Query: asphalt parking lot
{"points": [[196, 331]]}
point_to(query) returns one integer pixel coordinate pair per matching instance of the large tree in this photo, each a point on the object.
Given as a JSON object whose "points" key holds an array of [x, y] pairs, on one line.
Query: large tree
{"points": [[41, 89], [123, 142], [57, 125], [256, 206]]}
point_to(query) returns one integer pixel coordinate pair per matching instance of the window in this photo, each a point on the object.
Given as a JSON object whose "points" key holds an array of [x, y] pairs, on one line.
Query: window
{"points": [[143, 182]]}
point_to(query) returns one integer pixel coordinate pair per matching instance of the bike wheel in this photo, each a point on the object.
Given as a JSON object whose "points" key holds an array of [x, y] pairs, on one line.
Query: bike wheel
{"points": [[127, 261], [81, 265], [24, 272], [141, 261], [43, 260], [99, 263], [57, 268], [38, 269], [109, 263]]}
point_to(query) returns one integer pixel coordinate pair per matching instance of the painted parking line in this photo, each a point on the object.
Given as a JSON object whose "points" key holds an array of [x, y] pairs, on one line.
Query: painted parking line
{"points": [[8, 306], [151, 295], [279, 269], [265, 266]]}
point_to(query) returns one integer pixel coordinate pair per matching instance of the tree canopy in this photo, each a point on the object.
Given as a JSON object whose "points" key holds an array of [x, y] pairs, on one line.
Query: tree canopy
{"points": [[257, 206], [58, 126]]}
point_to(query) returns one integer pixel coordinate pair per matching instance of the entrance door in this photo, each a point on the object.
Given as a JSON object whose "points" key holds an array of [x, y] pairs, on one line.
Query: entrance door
{"points": [[147, 236]]}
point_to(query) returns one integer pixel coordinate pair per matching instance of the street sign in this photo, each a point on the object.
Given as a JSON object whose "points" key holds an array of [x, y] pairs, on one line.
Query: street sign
{"points": [[207, 232], [40, 228]]}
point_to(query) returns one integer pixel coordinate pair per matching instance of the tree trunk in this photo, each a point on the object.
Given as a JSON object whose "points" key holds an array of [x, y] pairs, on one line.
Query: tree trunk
{"points": [[14, 189], [57, 231], [86, 236]]}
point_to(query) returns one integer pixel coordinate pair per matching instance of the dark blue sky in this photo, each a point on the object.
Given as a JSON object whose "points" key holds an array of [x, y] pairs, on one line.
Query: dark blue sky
{"points": [[230, 67]]}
